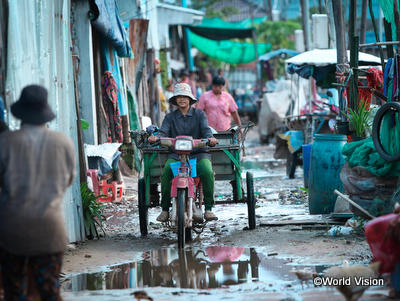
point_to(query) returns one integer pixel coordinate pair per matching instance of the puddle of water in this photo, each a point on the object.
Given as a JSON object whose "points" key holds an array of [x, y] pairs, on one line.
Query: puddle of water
{"points": [[216, 267]]}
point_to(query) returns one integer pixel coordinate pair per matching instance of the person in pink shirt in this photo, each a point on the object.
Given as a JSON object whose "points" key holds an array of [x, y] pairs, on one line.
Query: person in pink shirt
{"points": [[219, 106]]}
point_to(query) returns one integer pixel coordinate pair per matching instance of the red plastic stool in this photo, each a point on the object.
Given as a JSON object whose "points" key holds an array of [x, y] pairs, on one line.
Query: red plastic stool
{"points": [[112, 192]]}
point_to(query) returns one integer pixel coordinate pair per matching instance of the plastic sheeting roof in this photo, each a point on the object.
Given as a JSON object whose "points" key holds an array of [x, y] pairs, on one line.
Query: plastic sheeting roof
{"points": [[218, 29], [228, 51], [324, 57], [274, 53]]}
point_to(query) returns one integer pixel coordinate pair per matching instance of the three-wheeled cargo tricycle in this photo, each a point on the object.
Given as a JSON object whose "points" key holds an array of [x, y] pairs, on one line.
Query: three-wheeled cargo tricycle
{"points": [[225, 158]]}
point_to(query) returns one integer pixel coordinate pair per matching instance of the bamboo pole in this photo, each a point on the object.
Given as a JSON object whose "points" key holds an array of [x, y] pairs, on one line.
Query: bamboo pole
{"points": [[396, 20], [305, 23], [354, 204], [371, 12], [341, 50], [363, 27], [81, 150], [380, 44], [388, 36], [354, 65], [352, 23]]}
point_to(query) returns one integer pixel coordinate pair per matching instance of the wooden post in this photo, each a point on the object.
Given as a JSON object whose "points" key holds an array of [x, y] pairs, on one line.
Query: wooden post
{"points": [[371, 12], [388, 36], [354, 66], [268, 8], [352, 20], [254, 37], [125, 119], [339, 28], [340, 50], [396, 20], [353, 53], [305, 20], [81, 151], [151, 85], [332, 33], [363, 26]]}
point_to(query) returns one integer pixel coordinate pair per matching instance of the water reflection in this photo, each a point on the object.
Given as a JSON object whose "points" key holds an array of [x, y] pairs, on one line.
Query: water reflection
{"points": [[217, 266]]}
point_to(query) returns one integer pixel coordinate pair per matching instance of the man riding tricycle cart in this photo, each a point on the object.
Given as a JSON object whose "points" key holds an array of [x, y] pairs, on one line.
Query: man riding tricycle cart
{"points": [[186, 158]]}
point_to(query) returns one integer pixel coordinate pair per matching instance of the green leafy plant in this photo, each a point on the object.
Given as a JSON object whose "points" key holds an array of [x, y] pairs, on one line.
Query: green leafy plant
{"points": [[92, 212], [304, 189], [359, 118]]}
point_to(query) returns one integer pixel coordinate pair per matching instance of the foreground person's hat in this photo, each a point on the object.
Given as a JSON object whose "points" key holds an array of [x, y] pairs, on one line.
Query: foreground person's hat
{"points": [[182, 89], [32, 106]]}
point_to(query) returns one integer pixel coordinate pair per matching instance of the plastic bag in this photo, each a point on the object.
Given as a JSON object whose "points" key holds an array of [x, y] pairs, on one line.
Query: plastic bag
{"points": [[384, 248]]}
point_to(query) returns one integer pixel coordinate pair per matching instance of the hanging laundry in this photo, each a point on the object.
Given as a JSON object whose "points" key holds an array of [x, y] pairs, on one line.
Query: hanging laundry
{"points": [[110, 102], [375, 79], [396, 83], [386, 75], [111, 63]]}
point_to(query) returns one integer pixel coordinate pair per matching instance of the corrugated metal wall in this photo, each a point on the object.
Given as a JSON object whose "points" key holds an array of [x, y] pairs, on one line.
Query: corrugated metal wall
{"points": [[39, 51]]}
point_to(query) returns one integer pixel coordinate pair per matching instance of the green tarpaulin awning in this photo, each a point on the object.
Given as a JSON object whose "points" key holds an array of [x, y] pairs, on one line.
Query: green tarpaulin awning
{"points": [[213, 35], [228, 51]]}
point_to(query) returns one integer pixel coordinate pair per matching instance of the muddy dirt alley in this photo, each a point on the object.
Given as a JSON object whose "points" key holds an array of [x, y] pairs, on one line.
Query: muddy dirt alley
{"points": [[226, 261]]}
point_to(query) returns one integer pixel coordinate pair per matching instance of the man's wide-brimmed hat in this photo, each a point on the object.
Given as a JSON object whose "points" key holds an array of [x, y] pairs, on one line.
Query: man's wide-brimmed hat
{"points": [[182, 89], [32, 106]]}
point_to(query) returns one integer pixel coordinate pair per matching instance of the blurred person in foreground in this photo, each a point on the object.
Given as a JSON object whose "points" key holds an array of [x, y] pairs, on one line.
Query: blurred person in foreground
{"points": [[219, 106], [36, 167]]}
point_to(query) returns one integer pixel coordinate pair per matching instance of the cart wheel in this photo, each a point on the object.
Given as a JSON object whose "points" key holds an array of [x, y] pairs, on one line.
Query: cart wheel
{"points": [[251, 201], [390, 107], [143, 216], [181, 218]]}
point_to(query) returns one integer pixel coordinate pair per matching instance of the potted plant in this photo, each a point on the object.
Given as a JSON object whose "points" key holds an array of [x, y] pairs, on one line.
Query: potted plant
{"points": [[92, 212], [359, 119]]}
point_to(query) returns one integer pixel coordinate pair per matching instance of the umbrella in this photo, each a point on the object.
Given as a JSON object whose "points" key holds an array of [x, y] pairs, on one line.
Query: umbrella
{"points": [[324, 57]]}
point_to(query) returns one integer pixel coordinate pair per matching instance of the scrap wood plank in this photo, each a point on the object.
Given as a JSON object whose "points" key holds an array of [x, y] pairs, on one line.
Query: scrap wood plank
{"points": [[280, 223]]}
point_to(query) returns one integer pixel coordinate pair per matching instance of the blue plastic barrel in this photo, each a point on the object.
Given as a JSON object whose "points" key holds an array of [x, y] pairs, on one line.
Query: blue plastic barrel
{"points": [[306, 162], [326, 163]]}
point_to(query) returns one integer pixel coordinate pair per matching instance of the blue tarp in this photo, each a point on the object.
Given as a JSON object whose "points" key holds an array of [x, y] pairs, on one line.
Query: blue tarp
{"points": [[305, 71], [110, 26], [274, 53]]}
